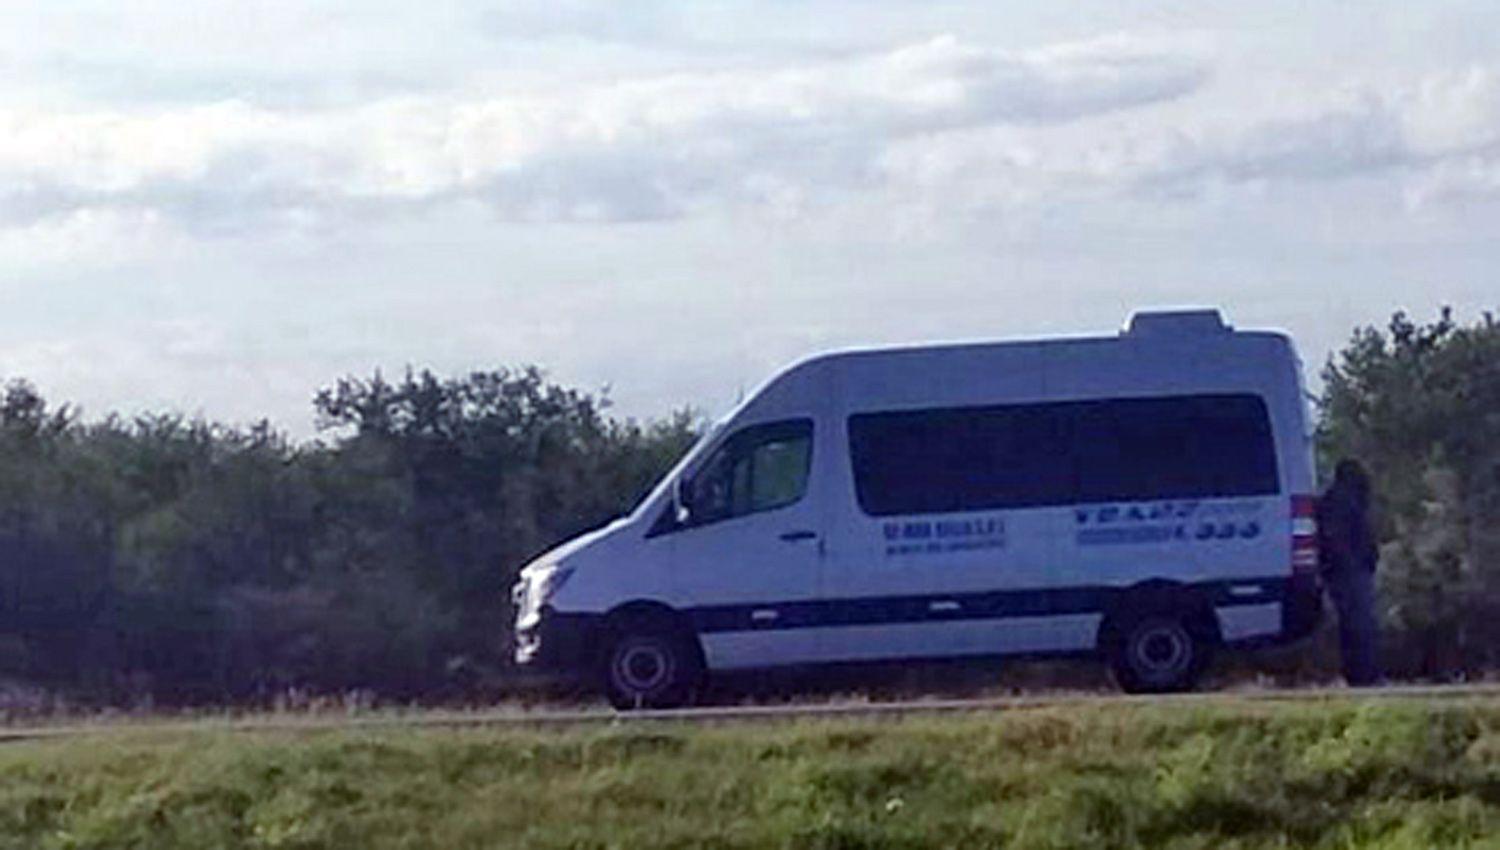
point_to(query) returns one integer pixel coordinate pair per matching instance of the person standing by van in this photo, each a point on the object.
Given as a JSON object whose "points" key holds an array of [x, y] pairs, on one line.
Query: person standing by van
{"points": [[1349, 558]]}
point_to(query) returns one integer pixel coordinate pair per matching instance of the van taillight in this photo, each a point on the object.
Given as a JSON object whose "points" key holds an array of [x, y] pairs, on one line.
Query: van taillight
{"points": [[1304, 534]]}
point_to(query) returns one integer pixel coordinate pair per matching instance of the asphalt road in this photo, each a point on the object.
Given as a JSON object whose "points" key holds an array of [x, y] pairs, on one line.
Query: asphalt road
{"points": [[542, 717]]}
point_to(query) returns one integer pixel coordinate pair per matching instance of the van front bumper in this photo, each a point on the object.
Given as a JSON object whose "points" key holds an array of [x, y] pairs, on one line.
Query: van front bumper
{"points": [[558, 641]]}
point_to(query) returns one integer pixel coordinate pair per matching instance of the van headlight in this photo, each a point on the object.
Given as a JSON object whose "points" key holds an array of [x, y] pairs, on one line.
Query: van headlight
{"points": [[549, 583], [537, 588]]}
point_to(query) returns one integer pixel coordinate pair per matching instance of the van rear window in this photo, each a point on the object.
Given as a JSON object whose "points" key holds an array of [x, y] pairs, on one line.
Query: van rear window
{"points": [[1057, 453]]}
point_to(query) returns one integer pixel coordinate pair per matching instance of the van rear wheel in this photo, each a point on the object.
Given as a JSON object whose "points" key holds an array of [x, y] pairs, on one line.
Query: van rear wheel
{"points": [[1154, 654], [648, 667]]}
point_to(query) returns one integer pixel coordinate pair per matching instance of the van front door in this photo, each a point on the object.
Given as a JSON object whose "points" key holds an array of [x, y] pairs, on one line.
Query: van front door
{"points": [[746, 560]]}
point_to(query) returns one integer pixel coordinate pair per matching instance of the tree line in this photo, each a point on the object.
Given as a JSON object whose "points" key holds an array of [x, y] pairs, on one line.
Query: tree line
{"points": [[188, 561]]}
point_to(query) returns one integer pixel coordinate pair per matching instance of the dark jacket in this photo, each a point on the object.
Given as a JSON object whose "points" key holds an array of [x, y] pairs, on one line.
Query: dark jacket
{"points": [[1345, 539]]}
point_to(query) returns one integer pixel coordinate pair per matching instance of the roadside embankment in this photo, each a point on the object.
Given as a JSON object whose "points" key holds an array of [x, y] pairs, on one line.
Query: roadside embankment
{"points": [[1230, 772]]}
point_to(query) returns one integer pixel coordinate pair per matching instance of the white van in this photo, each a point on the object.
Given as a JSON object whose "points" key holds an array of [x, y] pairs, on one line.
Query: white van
{"points": [[1147, 497]]}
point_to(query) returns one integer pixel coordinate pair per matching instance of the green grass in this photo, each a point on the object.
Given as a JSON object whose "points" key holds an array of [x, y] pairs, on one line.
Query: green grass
{"points": [[1224, 774]]}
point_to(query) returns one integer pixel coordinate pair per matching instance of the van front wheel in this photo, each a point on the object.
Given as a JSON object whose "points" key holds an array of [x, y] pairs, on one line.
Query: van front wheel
{"points": [[650, 668], [1156, 654]]}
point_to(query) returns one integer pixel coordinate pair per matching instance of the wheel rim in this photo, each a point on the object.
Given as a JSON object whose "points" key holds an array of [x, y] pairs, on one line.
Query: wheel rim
{"points": [[1161, 652], [642, 667]]}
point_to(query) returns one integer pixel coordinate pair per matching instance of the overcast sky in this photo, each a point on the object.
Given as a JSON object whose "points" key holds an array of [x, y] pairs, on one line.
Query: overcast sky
{"points": [[219, 207]]}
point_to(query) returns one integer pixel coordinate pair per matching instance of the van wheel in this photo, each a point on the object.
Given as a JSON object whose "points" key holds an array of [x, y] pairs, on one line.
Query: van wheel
{"points": [[1153, 654], [647, 667]]}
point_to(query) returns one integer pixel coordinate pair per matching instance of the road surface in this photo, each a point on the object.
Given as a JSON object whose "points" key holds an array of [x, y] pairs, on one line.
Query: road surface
{"points": [[573, 717]]}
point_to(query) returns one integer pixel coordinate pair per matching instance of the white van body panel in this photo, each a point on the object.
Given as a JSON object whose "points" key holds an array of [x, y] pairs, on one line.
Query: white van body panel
{"points": [[822, 580]]}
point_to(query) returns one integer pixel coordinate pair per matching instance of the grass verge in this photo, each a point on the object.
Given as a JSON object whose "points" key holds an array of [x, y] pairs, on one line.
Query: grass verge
{"points": [[1227, 774]]}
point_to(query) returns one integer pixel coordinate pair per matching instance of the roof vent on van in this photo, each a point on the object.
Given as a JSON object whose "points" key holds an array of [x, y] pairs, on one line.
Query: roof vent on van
{"points": [[1162, 323]]}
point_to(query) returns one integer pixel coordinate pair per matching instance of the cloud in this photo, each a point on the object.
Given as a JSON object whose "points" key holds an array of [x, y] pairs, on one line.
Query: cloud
{"points": [[1413, 132], [1435, 139], [943, 125], [191, 365], [82, 241], [639, 149], [1467, 179], [642, 22]]}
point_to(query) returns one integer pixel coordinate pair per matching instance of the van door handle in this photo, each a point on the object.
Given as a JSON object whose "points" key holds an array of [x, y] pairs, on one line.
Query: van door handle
{"points": [[798, 535], [944, 606], [764, 615]]}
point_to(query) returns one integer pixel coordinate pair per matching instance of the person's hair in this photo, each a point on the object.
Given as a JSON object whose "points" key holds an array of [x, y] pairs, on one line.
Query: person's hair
{"points": [[1350, 477]]}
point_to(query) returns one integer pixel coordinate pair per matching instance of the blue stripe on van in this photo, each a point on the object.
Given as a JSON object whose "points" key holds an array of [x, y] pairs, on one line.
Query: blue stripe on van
{"points": [[992, 605]]}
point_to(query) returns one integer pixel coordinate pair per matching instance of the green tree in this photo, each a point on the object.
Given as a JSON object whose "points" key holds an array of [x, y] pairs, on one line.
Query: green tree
{"points": [[1420, 404], [471, 477], [199, 562]]}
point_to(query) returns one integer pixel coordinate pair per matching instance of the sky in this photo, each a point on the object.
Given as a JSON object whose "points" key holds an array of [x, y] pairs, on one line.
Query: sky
{"points": [[217, 208]]}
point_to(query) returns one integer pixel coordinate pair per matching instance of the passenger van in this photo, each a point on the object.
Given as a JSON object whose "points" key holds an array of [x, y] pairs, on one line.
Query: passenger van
{"points": [[1146, 497]]}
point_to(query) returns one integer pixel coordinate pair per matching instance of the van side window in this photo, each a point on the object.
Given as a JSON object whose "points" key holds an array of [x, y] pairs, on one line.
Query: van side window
{"points": [[760, 468], [1187, 447], [1058, 453]]}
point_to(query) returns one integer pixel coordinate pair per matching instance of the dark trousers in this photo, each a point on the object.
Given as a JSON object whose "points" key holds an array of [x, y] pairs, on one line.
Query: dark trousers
{"points": [[1353, 593]]}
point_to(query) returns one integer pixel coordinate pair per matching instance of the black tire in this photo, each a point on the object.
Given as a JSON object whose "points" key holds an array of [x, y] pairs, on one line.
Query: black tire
{"points": [[1157, 653], [650, 666]]}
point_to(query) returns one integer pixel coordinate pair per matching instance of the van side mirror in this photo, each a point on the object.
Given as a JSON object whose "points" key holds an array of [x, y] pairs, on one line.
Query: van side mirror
{"points": [[682, 505]]}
